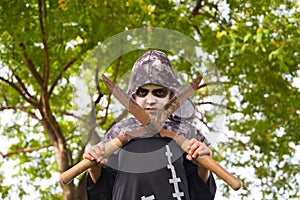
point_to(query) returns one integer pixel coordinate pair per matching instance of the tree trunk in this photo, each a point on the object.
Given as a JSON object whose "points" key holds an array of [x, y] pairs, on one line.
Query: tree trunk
{"points": [[63, 158], [72, 192]]}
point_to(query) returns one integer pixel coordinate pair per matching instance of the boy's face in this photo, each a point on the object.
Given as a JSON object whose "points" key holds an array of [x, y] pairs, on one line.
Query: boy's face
{"points": [[152, 98]]}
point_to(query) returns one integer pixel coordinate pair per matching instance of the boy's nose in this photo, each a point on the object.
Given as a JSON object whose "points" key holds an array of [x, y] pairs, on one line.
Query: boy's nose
{"points": [[150, 99]]}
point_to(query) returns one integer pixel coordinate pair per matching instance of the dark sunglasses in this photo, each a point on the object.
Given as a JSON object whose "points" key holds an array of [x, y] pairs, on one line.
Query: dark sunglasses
{"points": [[160, 93]]}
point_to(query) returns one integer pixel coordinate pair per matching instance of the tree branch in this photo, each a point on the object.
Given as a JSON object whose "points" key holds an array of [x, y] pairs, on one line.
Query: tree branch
{"points": [[32, 101], [72, 115], [110, 94], [25, 150], [22, 85], [210, 83], [31, 66], [205, 124], [50, 122], [65, 67], [44, 41], [199, 5], [100, 94], [22, 108], [24, 89], [202, 3], [93, 119], [216, 104]]}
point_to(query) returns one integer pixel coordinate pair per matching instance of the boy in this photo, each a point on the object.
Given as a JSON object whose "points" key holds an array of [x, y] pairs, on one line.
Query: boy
{"points": [[152, 167]]}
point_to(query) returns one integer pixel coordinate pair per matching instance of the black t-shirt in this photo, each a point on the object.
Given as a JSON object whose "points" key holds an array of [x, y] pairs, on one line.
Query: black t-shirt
{"points": [[150, 168]]}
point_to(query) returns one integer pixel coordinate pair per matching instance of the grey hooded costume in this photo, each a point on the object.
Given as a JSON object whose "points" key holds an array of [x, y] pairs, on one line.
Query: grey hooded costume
{"points": [[153, 167], [154, 67]]}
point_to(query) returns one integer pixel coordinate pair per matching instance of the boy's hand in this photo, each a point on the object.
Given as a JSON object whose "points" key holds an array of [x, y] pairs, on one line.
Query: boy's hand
{"points": [[197, 148], [95, 153]]}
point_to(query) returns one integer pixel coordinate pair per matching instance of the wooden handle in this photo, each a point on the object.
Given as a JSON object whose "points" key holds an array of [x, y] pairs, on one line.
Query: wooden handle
{"points": [[113, 145], [209, 163], [67, 176], [110, 147]]}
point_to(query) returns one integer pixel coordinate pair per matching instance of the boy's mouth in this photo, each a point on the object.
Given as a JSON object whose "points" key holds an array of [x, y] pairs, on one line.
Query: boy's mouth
{"points": [[151, 110]]}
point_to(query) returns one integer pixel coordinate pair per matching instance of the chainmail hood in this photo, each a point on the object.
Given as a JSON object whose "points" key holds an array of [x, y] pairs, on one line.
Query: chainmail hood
{"points": [[154, 67]]}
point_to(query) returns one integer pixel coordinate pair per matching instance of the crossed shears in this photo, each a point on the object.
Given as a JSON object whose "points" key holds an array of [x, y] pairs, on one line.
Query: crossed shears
{"points": [[152, 126]]}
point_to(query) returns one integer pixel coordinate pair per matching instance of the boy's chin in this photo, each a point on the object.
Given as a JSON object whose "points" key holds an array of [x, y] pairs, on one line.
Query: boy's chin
{"points": [[153, 116]]}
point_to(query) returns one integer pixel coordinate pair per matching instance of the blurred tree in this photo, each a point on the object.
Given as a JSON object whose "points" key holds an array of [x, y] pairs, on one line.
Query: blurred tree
{"points": [[255, 46]]}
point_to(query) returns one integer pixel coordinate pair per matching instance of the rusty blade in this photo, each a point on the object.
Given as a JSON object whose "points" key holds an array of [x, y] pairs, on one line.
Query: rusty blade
{"points": [[178, 99], [138, 112]]}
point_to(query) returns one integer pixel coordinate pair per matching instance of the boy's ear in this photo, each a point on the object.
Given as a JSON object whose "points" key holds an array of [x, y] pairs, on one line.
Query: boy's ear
{"points": [[134, 96]]}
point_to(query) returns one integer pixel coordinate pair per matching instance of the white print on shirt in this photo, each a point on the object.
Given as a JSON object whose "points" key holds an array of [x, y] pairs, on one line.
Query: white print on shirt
{"points": [[174, 180], [148, 198]]}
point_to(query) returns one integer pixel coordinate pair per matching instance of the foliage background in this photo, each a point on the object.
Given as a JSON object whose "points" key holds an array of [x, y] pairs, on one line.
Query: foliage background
{"points": [[254, 44]]}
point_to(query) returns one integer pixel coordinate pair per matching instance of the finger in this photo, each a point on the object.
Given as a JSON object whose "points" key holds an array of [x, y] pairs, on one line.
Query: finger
{"points": [[192, 142], [189, 157], [193, 146], [104, 161], [196, 148], [95, 152], [201, 150], [88, 156], [101, 145], [204, 151], [197, 152]]}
